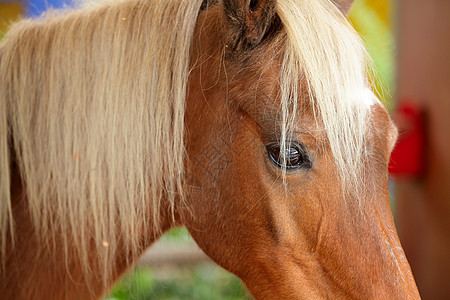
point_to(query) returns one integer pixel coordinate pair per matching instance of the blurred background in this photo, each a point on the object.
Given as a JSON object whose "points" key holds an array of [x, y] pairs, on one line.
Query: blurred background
{"points": [[409, 41]]}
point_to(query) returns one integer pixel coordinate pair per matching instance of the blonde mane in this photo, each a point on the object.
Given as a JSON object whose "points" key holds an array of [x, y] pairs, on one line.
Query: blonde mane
{"points": [[93, 101], [92, 104]]}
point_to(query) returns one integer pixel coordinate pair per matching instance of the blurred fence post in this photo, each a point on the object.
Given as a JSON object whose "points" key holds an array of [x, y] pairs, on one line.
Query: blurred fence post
{"points": [[423, 205]]}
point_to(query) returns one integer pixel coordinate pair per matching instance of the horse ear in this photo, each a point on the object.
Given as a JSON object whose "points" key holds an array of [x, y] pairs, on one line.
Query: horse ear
{"points": [[249, 21], [344, 5]]}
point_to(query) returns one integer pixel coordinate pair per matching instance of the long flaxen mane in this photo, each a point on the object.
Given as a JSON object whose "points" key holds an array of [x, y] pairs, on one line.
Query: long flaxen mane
{"points": [[92, 110]]}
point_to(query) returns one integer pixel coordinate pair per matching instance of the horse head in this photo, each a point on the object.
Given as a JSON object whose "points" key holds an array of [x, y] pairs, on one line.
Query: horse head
{"points": [[271, 199]]}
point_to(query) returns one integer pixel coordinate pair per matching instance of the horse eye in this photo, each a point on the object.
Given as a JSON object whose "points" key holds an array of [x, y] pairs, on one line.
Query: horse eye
{"points": [[295, 156]]}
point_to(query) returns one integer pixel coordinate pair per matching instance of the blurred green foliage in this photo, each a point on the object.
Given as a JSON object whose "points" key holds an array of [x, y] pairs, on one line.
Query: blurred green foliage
{"points": [[204, 281], [178, 234], [372, 20], [200, 282]]}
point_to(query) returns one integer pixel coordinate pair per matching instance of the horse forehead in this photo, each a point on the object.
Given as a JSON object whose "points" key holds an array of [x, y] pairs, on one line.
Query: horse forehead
{"points": [[380, 123], [377, 113]]}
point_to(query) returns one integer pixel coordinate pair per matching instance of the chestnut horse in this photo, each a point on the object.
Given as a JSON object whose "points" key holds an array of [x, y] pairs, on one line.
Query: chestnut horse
{"points": [[251, 123]]}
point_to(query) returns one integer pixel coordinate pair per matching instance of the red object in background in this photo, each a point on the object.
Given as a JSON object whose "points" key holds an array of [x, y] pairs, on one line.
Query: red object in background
{"points": [[408, 156]]}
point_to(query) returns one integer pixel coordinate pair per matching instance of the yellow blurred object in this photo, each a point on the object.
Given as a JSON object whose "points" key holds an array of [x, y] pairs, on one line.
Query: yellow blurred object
{"points": [[383, 10], [8, 13]]}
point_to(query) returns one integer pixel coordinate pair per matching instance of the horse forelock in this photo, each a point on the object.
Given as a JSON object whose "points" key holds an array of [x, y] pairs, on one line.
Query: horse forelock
{"points": [[324, 50]]}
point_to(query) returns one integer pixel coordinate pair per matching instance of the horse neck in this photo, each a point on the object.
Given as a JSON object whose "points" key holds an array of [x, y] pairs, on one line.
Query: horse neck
{"points": [[34, 270]]}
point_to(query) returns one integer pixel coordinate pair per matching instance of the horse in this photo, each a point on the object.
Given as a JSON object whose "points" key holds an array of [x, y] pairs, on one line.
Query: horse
{"points": [[252, 123]]}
